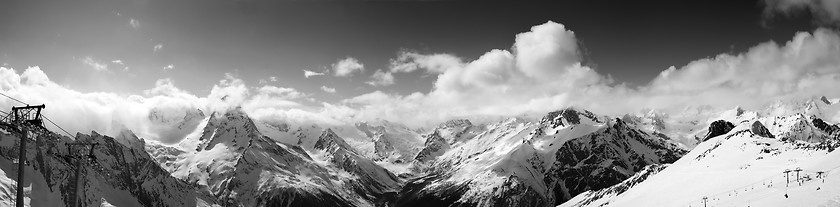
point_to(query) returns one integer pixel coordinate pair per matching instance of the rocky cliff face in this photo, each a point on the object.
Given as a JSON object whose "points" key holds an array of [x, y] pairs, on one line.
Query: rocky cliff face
{"points": [[718, 128], [435, 146], [119, 172], [758, 129]]}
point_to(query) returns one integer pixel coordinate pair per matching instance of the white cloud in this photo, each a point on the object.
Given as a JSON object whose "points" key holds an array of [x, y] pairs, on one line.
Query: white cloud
{"points": [[543, 72], [307, 73], [96, 65], [825, 12], [328, 89], [381, 78], [346, 67], [807, 65], [133, 22], [546, 51], [436, 63], [157, 47], [120, 62], [169, 67], [272, 79], [109, 113]]}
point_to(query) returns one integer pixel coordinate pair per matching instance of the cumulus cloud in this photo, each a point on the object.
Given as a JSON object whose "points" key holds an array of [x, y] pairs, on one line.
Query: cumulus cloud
{"points": [[543, 72], [104, 112], [328, 89], [381, 78], [807, 65], [346, 67], [157, 47], [134, 23], [826, 12], [308, 73], [408, 61], [169, 67], [96, 65]]}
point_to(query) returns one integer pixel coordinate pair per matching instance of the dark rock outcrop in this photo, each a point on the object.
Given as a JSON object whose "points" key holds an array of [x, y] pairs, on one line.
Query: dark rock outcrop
{"points": [[717, 128], [566, 117], [435, 146], [827, 128], [759, 129]]}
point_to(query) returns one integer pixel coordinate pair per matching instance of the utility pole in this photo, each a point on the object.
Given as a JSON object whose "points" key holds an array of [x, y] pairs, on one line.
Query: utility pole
{"points": [[705, 200], [25, 118], [797, 176], [819, 175], [786, 177], [80, 161]]}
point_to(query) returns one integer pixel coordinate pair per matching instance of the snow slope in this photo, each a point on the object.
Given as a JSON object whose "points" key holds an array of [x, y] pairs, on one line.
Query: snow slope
{"points": [[741, 168]]}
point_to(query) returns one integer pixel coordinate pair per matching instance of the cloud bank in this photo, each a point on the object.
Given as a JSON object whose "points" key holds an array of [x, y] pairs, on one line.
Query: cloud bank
{"points": [[540, 72], [109, 113]]}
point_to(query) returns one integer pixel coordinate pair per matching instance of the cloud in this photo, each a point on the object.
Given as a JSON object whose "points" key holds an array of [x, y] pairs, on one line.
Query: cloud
{"points": [[807, 65], [346, 67], [104, 112], [408, 61], [168, 67], [133, 22], [272, 79], [157, 47], [539, 73], [328, 89], [120, 62], [96, 65], [109, 113], [543, 72], [307, 73], [381, 78], [825, 12]]}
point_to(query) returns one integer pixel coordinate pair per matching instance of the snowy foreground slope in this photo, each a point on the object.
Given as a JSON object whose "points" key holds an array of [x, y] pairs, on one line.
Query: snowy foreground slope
{"points": [[743, 167]]}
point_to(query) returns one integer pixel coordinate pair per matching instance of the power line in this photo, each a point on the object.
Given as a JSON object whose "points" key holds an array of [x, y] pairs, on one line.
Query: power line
{"points": [[56, 125], [7, 96], [45, 117]]}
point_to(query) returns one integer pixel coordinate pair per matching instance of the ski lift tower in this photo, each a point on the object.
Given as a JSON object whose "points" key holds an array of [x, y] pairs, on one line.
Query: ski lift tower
{"points": [[25, 118]]}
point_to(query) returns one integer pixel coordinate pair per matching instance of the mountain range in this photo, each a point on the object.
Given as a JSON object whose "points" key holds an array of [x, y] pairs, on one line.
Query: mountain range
{"points": [[568, 157]]}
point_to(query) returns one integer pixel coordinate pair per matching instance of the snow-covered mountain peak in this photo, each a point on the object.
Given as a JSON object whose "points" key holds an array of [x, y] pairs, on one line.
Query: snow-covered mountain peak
{"points": [[233, 128], [129, 139], [331, 141], [567, 117], [462, 123]]}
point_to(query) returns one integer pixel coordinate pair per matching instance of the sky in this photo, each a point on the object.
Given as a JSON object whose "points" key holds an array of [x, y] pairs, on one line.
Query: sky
{"points": [[415, 62]]}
